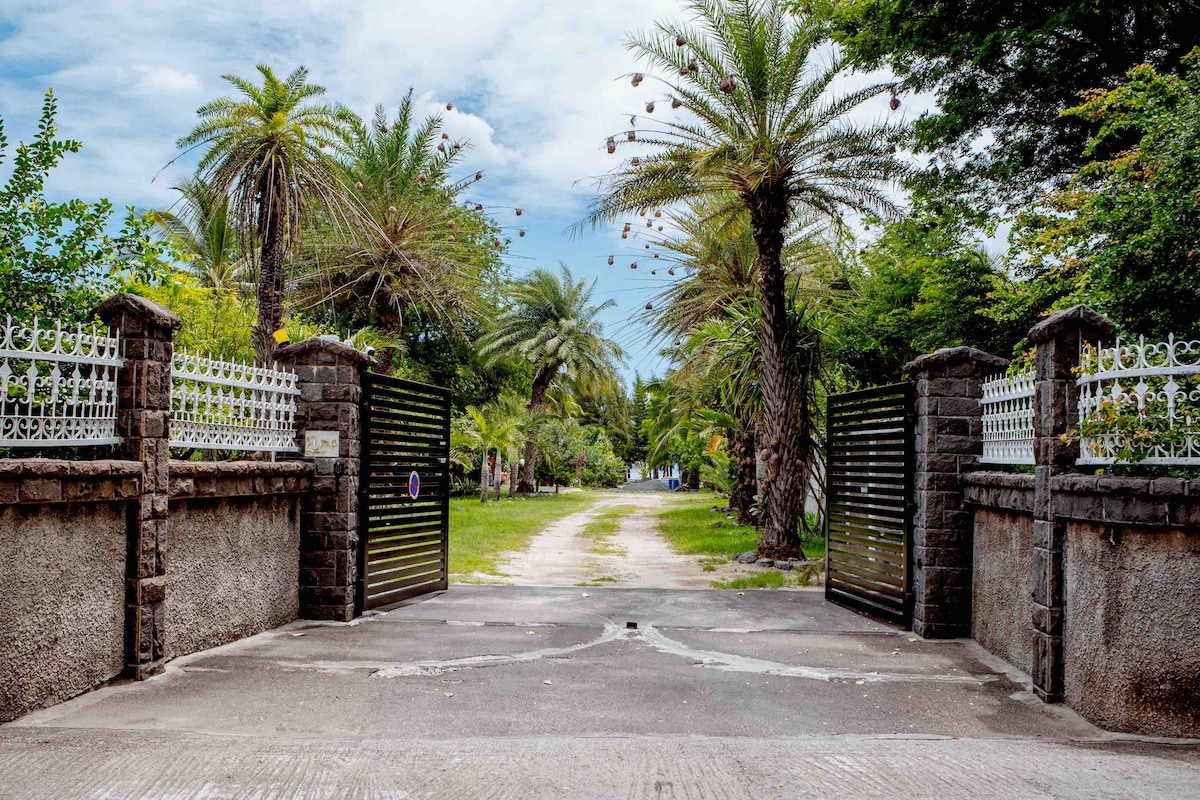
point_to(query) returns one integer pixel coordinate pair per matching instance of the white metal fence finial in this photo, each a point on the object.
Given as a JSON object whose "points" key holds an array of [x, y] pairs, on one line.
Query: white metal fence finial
{"points": [[1153, 422], [57, 388], [226, 405], [1008, 419]]}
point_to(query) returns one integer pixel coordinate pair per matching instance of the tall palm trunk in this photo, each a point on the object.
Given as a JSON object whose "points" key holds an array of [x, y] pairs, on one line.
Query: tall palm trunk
{"points": [[537, 404], [745, 482], [782, 450], [483, 478], [273, 251], [499, 471]]}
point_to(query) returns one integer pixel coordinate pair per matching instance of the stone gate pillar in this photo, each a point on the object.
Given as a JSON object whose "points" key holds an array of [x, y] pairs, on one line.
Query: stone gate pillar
{"points": [[948, 441], [330, 380], [1058, 339], [143, 421]]}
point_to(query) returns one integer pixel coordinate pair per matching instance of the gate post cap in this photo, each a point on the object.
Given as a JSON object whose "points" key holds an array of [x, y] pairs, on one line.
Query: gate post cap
{"points": [[314, 346], [131, 305], [1075, 317], [943, 360]]}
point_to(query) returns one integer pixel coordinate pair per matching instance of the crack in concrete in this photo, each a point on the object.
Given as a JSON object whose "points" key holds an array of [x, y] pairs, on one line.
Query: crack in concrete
{"points": [[708, 659]]}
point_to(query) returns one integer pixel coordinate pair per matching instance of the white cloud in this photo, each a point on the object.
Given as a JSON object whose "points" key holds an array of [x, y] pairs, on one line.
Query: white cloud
{"points": [[165, 79]]}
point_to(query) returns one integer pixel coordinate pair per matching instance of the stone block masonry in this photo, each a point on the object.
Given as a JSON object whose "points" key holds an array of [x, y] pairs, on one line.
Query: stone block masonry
{"points": [[330, 400], [948, 443], [143, 420]]}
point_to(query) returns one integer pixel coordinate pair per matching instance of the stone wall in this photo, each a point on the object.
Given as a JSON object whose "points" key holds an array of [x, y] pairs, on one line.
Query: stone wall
{"points": [[62, 578], [1132, 630], [1131, 580], [1003, 550], [110, 568], [234, 551]]}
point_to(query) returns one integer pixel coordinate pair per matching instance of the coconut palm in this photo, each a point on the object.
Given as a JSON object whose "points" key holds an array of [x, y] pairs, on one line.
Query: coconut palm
{"points": [[199, 225], [764, 128], [421, 250], [269, 151], [553, 325]]}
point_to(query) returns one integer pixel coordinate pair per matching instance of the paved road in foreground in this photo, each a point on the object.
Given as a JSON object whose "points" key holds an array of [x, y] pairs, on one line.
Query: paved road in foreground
{"points": [[497, 692]]}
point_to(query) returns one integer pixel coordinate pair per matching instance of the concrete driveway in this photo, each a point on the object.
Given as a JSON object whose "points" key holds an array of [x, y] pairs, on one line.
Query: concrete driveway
{"points": [[497, 692]]}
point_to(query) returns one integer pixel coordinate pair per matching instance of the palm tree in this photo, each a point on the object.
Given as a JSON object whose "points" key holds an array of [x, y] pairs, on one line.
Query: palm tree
{"points": [[765, 130], [202, 231], [484, 430], [422, 250], [553, 325], [269, 151]]}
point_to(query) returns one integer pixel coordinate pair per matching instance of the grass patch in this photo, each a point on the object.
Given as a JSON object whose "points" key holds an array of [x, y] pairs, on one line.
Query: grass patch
{"points": [[603, 580], [687, 523], [480, 532], [603, 527], [768, 579]]}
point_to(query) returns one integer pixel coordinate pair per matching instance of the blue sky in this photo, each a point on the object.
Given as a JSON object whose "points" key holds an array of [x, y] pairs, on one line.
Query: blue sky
{"points": [[537, 87]]}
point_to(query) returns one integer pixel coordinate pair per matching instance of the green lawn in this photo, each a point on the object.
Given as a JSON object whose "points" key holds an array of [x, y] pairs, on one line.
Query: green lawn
{"points": [[602, 528], [480, 532], [687, 524]]}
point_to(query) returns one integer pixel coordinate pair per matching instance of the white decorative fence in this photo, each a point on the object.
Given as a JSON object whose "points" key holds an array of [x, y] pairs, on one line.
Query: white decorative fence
{"points": [[58, 387], [223, 405], [1140, 402], [1008, 419]]}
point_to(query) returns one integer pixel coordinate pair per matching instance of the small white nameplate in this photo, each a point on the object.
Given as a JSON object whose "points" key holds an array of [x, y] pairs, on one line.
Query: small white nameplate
{"points": [[321, 444]]}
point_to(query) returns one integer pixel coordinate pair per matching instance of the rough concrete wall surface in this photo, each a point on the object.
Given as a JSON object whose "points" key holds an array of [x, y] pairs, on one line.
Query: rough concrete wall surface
{"points": [[1132, 634], [1003, 580], [232, 569], [62, 602]]}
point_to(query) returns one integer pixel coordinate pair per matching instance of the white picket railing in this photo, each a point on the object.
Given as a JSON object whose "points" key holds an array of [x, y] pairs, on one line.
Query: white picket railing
{"points": [[224, 405], [1156, 383], [1008, 419], [58, 387]]}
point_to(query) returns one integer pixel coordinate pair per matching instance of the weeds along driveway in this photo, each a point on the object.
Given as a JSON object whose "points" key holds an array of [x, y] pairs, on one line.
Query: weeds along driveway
{"points": [[503, 691]]}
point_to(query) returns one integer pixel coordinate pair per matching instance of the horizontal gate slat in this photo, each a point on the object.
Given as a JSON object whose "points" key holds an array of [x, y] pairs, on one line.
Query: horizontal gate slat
{"points": [[893, 543], [405, 429], [868, 484], [848, 577], [876, 569], [382, 571], [425, 422], [404, 576]]}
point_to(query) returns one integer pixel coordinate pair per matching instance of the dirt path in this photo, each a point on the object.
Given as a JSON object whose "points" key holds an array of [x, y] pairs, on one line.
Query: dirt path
{"points": [[634, 556]]}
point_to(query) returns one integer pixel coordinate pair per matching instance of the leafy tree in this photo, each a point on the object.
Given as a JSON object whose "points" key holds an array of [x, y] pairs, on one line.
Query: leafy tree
{"points": [[203, 236], [770, 134], [56, 260], [1124, 235], [553, 325], [417, 250], [267, 151], [216, 322], [926, 282], [1003, 72]]}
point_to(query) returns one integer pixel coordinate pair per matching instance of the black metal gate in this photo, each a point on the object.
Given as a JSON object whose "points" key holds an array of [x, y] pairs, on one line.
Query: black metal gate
{"points": [[404, 490], [868, 501]]}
